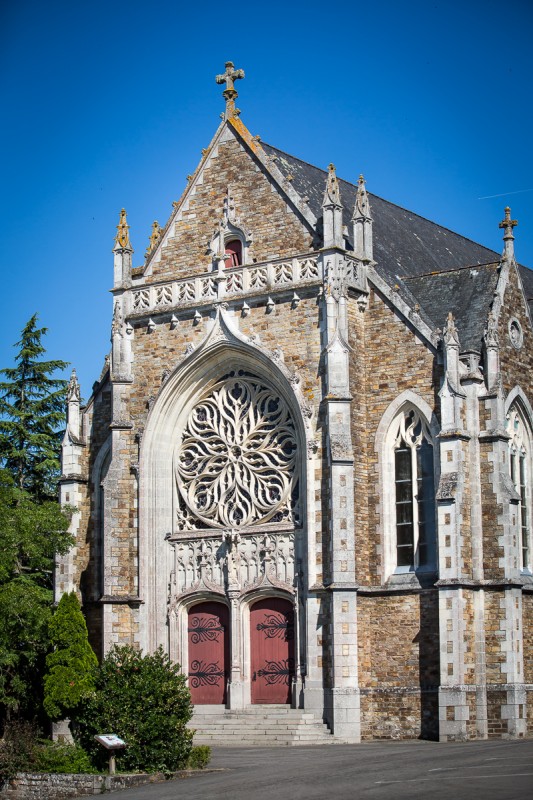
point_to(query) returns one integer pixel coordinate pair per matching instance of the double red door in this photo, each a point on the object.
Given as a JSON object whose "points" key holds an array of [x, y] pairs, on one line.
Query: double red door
{"points": [[208, 633], [272, 650]]}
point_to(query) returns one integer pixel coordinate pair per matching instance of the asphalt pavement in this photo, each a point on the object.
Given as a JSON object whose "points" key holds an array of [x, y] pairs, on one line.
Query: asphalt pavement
{"points": [[489, 770]]}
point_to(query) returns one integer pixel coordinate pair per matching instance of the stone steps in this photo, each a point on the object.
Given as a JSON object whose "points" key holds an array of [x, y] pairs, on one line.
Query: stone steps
{"points": [[258, 726]]}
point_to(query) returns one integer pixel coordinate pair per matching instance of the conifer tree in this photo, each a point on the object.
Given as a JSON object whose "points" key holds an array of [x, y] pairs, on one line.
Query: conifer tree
{"points": [[31, 533], [71, 667], [32, 410]]}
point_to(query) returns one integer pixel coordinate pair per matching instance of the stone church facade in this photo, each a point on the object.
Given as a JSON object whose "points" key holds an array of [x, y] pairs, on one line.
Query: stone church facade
{"points": [[305, 470]]}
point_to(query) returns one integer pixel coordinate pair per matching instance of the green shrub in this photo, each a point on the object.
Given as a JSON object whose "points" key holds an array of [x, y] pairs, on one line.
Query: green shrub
{"points": [[71, 667], [18, 748], [199, 757], [145, 700], [62, 758]]}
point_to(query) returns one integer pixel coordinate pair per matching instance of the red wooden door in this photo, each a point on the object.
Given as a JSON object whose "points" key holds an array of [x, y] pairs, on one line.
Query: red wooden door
{"points": [[208, 633], [272, 650]]}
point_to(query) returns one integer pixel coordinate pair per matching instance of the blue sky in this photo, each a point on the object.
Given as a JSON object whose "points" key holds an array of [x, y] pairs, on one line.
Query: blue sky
{"points": [[108, 104]]}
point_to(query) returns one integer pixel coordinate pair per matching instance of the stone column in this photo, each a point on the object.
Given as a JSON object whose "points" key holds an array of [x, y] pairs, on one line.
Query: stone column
{"points": [[72, 486], [453, 703], [339, 581]]}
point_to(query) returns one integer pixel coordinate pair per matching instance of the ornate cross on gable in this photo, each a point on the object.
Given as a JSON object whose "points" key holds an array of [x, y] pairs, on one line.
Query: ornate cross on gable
{"points": [[230, 93], [508, 224]]}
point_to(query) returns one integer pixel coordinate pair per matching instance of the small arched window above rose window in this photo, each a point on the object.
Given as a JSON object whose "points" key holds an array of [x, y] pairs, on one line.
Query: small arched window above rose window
{"points": [[233, 249]]}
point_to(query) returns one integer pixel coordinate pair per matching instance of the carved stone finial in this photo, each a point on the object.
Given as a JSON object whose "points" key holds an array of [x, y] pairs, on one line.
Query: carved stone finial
{"points": [[491, 332], [508, 224], [332, 196], [116, 323], [332, 211], [153, 238], [230, 94], [362, 206], [73, 388], [362, 223], [122, 239], [450, 335]]}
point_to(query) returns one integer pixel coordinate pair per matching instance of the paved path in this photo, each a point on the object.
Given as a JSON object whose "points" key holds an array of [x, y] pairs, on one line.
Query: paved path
{"points": [[493, 770]]}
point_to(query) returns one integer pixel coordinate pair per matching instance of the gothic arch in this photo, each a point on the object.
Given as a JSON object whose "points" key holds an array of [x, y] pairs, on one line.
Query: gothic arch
{"points": [[383, 445], [518, 425], [101, 543], [222, 350], [518, 396]]}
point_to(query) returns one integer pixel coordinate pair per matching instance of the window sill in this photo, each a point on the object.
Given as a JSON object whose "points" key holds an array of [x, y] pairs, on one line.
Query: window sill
{"points": [[412, 580]]}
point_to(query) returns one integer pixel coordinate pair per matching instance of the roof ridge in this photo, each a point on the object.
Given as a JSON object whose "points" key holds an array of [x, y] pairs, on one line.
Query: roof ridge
{"points": [[301, 160], [447, 271]]}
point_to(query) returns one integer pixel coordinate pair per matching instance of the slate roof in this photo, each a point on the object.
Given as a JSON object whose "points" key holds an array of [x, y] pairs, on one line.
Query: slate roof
{"points": [[430, 265], [467, 292]]}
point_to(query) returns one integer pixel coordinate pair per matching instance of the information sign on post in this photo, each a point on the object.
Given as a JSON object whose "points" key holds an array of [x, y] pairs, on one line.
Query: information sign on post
{"points": [[111, 742]]}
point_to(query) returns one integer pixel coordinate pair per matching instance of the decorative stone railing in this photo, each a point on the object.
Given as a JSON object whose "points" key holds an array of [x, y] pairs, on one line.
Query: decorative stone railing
{"points": [[240, 560], [207, 288]]}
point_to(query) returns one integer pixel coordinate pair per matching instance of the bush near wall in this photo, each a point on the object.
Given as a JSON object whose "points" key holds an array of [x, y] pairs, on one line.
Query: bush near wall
{"points": [[145, 700]]}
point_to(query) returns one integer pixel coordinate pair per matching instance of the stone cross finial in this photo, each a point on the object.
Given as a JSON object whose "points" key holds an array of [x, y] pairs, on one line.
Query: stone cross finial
{"points": [[508, 224], [230, 93], [122, 239]]}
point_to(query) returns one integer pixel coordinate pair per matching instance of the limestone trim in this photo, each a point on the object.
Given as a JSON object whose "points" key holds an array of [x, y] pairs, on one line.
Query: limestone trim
{"points": [[207, 288], [386, 435], [102, 498], [240, 677], [241, 132], [224, 348], [517, 394], [518, 421], [412, 317], [182, 204]]}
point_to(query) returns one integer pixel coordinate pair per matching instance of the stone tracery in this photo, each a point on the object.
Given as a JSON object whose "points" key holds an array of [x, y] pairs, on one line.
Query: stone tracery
{"points": [[236, 458]]}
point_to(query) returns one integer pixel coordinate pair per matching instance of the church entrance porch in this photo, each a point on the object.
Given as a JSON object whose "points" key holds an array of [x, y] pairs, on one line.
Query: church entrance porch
{"points": [[272, 650], [208, 640]]}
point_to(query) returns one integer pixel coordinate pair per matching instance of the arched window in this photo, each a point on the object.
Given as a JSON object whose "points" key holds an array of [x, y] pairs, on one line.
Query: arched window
{"points": [[233, 249], [520, 468], [414, 492]]}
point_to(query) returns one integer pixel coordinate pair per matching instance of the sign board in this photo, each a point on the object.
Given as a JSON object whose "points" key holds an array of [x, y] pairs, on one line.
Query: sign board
{"points": [[110, 740]]}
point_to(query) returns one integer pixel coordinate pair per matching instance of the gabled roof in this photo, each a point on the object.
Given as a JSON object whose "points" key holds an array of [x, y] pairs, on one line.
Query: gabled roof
{"points": [[405, 244], [468, 292], [426, 263]]}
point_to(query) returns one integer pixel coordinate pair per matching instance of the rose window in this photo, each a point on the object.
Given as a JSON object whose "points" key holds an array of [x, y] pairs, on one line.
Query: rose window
{"points": [[236, 458]]}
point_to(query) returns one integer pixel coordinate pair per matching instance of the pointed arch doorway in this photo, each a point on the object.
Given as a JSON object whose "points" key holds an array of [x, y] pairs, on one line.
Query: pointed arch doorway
{"points": [[272, 650], [209, 643]]}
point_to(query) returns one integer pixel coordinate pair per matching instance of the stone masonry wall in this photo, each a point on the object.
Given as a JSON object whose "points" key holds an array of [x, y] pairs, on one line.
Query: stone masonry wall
{"points": [[43, 786], [516, 366], [399, 665], [275, 230], [375, 356]]}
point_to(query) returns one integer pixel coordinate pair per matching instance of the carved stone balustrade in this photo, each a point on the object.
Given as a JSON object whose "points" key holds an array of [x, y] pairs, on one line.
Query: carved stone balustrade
{"points": [[250, 280]]}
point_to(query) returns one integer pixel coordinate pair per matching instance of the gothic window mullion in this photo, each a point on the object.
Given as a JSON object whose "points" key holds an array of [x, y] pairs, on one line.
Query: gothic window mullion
{"points": [[404, 506], [414, 494], [524, 521], [519, 460]]}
